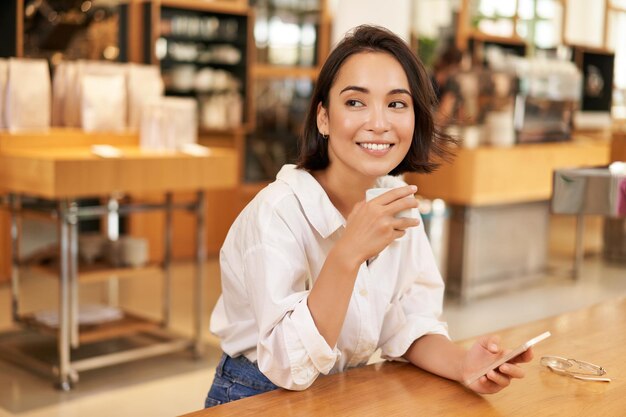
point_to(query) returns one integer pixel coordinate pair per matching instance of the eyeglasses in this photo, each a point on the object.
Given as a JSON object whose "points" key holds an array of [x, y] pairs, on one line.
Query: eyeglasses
{"points": [[575, 368]]}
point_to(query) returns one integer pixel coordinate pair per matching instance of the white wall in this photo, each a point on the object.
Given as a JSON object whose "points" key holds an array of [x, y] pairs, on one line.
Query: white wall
{"points": [[430, 15], [395, 15], [585, 22], [425, 16]]}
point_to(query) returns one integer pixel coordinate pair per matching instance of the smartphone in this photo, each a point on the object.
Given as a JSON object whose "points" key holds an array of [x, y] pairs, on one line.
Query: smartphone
{"points": [[515, 352]]}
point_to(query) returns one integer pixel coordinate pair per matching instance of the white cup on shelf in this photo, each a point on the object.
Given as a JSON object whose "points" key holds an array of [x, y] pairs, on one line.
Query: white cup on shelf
{"points": [[134, 251]]}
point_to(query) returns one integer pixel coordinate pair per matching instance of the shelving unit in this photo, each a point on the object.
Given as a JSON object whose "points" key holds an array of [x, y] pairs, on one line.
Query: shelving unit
{"points": [[140, 28], [71, 335], [283, 77], [469, 35], [203, 49]]}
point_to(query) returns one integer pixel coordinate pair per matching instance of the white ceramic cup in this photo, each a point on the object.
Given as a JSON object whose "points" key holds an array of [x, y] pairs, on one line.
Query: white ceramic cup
{"points": [[375, 192], [134, 251]]}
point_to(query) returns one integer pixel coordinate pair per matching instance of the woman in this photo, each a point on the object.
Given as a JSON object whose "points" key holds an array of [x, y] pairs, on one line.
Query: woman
{"points": [[314, 279]]}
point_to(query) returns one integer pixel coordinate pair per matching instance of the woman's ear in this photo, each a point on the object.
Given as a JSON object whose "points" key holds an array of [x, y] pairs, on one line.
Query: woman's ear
{"points": [[322, 119]]}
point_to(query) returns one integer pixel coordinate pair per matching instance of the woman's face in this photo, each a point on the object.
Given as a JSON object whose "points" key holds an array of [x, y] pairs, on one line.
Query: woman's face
{"points": [[370, 119]]}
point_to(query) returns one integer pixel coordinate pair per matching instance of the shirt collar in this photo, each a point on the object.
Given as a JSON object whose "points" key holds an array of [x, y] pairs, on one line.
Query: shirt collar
{"points": [[317, 207]]}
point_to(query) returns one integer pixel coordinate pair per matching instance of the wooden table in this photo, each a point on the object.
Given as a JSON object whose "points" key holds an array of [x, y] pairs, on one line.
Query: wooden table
{"points": [[35, 166], [596, 334]]}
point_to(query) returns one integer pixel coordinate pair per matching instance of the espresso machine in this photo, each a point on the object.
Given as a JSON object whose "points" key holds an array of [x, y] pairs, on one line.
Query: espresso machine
{"points": [[548, 94]]}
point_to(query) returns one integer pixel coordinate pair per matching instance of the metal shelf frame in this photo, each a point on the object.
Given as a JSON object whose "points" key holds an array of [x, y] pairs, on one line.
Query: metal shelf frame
{"points": [[67, 212]]}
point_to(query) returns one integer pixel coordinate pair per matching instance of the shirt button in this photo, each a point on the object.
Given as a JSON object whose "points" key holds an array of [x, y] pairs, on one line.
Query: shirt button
{"points": [[363, 292]]}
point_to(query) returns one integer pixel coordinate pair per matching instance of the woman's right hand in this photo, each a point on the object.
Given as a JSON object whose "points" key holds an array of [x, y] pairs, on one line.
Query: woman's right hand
{"points": [[371, 226]]}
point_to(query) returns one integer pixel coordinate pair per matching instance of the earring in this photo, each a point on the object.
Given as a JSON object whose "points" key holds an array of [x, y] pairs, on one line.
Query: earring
{"points": [[324, 136]]}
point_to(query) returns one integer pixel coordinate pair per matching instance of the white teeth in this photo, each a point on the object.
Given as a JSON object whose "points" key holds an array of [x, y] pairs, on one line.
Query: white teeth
{"points": [[375, 146]]}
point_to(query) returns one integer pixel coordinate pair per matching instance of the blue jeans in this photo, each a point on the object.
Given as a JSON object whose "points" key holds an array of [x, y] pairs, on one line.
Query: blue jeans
{"points": [[236, 378]]}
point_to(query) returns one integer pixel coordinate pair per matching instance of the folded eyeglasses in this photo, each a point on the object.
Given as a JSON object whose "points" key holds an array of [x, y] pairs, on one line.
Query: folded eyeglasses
{"points": [[575, 368]]}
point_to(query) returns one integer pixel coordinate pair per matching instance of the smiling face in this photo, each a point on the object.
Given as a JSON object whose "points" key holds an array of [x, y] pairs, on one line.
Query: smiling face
{"points": [[370, 118]]}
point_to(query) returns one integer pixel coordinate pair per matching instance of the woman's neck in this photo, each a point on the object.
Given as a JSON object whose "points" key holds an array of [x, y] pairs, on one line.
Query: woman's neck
{"points": [[344, 190]]}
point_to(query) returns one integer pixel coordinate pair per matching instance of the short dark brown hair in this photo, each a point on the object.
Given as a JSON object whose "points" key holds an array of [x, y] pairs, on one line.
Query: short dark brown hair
{"points": [[429, 143]]}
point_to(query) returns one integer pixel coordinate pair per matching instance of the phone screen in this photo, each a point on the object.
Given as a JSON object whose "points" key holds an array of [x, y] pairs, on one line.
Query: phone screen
{"points": [[512, 354]]}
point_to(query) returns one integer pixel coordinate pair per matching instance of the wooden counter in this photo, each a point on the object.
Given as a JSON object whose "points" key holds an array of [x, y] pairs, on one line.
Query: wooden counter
{"points": [[76, 172], [595, 334], [492, 175], [618, 147]]}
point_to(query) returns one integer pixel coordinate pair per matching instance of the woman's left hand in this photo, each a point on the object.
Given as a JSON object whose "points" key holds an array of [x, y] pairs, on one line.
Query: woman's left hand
{"points": [[486, 350]]}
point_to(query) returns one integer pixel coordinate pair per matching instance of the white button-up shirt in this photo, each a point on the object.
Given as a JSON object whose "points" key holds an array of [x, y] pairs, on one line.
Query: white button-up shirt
{"points": [[272, 255]]}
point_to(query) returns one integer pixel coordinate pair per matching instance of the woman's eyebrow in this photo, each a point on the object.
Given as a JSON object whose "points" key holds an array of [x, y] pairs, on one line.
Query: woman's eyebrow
{"points": [[365, 90], [355, 88], [398, 91]]}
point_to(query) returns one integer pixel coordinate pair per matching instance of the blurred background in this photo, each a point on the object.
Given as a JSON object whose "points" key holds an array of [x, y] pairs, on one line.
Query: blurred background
{"points": [[530, 212]]}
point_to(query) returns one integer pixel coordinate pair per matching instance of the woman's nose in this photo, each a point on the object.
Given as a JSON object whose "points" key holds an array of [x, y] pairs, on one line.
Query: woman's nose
{"points": [[378, 121]]}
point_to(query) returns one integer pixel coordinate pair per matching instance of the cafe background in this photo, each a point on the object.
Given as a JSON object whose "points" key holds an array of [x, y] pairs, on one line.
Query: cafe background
{"points": [[543, 88]]}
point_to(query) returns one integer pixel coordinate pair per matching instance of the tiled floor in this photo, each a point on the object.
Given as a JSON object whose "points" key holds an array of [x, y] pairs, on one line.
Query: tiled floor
{"points": [[176, 384]]}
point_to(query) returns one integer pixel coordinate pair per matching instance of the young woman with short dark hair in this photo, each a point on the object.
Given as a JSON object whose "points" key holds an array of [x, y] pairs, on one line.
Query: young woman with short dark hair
{"points": [[314, 278]]}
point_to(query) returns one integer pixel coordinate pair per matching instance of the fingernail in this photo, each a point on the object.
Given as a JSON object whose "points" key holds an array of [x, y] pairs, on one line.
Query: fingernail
{"points": [[414, 188], [493, 347], [504, 368]]}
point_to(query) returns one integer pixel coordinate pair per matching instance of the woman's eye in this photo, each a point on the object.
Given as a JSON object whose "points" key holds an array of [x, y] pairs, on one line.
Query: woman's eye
{"points": [[397, 105], [354, 103]]}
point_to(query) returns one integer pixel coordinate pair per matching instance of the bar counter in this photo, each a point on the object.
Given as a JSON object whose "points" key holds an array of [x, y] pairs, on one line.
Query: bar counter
{"points": [[499, 213], [522, 173]]}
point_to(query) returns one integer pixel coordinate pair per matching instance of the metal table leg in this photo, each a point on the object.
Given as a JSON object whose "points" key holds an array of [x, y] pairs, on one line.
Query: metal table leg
{"points": [[113, 234], [72, 221], [167, 261], [578, 254], [16, 229], [200, 260], [64, 299]]}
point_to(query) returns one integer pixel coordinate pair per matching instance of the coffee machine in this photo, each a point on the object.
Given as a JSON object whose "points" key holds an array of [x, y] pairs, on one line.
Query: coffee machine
{"points": [[548, 95]]}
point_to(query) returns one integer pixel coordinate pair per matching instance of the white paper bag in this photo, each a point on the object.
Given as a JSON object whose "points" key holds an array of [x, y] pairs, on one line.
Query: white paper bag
{"points": [[103, 99], [28, 94], [144, 85], [74, 99]]}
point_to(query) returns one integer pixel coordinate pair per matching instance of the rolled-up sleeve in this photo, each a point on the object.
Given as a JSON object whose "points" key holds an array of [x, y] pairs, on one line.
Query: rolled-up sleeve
{"points": [[417, 310], [290, 350]]}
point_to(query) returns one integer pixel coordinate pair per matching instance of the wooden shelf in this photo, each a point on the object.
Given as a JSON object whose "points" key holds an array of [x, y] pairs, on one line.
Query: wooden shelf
{"points": [[127, 325], [99, 271], [226, 7], [485, 37], [274, 71]]}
